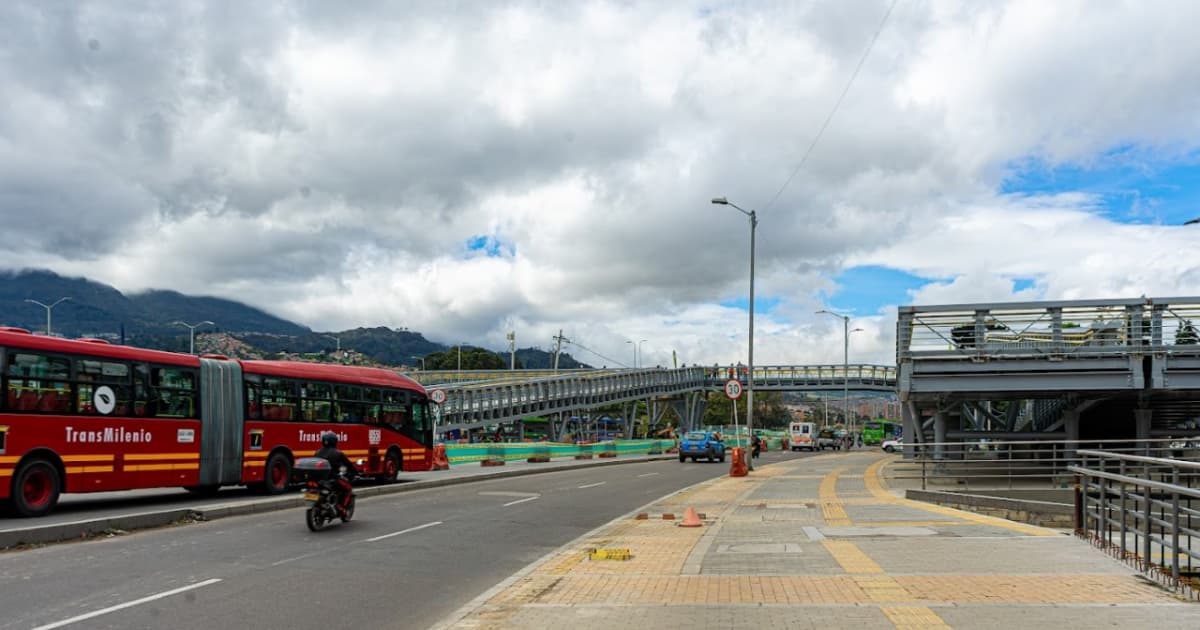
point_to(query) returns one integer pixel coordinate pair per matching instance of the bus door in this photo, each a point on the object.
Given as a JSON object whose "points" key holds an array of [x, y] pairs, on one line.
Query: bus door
{"points": [[221, 419]]}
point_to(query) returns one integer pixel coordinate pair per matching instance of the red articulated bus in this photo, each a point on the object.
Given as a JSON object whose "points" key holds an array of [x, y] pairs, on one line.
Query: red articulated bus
{"points": [[88, 416]]}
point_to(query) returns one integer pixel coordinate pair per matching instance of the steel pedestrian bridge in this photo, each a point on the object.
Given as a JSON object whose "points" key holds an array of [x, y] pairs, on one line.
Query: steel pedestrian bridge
{"points": [[1029, 370]]}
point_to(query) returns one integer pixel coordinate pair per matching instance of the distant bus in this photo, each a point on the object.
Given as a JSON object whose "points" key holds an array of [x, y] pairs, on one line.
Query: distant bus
{"points": [[876, 431], [87, 416]]}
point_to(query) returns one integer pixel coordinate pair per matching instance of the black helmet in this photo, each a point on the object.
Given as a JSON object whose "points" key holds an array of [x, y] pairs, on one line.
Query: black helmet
{"points": [[329, 438]]}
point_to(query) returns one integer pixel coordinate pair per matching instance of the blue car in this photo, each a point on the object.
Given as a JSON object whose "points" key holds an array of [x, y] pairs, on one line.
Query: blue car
{"points": [[697, 444]]}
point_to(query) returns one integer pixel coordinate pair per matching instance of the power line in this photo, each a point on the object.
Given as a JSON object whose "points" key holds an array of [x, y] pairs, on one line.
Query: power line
{"points": [[585, 348], [836, 105]]}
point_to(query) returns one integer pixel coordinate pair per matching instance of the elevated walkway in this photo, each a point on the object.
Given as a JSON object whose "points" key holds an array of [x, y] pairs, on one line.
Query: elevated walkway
{"points": [[819, 542]]}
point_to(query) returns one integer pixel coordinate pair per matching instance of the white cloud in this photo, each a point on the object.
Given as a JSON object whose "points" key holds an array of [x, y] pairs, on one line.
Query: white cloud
{"points": [[330, 166]]}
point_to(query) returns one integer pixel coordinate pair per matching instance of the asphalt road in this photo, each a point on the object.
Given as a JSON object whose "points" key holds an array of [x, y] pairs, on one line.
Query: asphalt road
{"points": [[406, 561]]}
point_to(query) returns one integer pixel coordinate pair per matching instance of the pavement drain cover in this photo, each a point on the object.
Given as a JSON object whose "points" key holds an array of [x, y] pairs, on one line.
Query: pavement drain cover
{"points": [[877, 531], [759, 548]]}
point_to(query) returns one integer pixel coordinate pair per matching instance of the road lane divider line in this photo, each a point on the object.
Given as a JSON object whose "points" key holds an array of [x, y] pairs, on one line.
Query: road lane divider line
{"points": [[647, 474], [520, 501], [404, 531], [593, 485], [136, 602]]}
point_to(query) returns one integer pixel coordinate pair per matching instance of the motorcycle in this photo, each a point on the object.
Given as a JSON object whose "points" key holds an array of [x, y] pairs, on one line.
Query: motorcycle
{"points": [[322, 492]]}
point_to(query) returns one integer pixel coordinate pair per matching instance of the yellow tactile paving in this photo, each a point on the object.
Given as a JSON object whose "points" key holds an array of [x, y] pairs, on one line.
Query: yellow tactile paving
{"points": [[874, 481], [913, 618], [852, 559], [831, 507], [882, 588]]}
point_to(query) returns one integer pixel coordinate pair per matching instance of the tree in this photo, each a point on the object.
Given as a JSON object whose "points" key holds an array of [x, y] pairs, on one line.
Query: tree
{"points": [[472, 359], [1187, 335]]}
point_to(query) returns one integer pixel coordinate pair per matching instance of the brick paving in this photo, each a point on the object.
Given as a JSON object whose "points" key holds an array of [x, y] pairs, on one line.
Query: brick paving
{"points": [[822, 542]]}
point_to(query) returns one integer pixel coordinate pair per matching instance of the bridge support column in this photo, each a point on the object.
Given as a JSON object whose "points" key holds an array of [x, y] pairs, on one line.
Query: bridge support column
{"points": [[1143, 418], [939, 434], [1071, 425], [912, 428]]}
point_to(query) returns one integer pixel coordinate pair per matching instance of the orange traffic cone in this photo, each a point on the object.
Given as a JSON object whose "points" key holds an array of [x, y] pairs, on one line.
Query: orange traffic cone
{"points": [[691, 519], [737, 468], [440, 462]]}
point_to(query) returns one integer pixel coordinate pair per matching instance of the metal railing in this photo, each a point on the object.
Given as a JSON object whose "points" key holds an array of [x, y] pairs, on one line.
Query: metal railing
{"points": [[1013, 464], [1060, 329], [1143, 510]]}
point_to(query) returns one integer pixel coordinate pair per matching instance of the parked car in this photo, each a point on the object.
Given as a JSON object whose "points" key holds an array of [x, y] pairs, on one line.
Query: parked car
{"points": [[828, 438], [697, 444], [891, 444]]}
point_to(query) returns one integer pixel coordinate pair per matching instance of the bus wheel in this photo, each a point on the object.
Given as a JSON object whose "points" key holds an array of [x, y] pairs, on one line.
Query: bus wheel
{"points": [[391, 467], [278, 474], [35, 488]]}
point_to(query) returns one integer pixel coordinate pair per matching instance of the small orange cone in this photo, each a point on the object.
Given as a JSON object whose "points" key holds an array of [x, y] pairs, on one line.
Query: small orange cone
{"points": [[691, 519]]}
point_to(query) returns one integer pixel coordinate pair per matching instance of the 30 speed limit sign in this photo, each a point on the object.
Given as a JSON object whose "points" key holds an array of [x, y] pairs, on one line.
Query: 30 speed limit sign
{"points": [[438, 396], [733, 389]]}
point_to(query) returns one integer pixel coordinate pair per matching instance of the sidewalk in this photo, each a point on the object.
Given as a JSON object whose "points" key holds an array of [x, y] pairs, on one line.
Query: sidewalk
{"points": [[821, 542]]}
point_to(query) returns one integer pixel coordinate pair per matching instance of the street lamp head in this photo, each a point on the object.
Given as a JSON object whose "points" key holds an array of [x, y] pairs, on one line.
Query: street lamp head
{"points": [[721, 201]]}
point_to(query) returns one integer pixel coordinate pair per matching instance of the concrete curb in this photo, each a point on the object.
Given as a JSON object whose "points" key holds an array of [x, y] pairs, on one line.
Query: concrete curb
{"points": [[90, 528]]}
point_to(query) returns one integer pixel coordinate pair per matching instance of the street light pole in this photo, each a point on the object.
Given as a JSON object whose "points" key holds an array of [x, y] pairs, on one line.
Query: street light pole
{"points": [[192, 333], [634, 352], [845, 365], [722, 201], [641, 358], [338, 342], [48, 309]]}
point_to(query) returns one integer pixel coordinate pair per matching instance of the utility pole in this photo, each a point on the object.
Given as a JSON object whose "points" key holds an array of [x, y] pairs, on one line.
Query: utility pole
{"points": [[559, 339], [512, 350]]}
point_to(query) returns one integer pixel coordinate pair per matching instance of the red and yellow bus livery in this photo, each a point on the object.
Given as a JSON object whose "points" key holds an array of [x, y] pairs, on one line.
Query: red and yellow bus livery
{"points": [[87, 416]]}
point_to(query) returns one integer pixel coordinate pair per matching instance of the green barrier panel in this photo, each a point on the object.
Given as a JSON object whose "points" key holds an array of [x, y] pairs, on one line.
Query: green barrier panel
{"points": [[512, 451]]}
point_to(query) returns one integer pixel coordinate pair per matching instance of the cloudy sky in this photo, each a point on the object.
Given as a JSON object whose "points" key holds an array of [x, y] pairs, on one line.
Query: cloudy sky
{"points": [[464, 169]]}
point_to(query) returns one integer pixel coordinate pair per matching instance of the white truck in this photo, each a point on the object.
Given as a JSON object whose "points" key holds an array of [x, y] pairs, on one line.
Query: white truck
{"points": [[803, 435]]}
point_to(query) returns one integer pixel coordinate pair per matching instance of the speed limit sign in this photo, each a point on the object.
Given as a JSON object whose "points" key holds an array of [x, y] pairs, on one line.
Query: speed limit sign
{"points": [[438, 396], [733, 389]]}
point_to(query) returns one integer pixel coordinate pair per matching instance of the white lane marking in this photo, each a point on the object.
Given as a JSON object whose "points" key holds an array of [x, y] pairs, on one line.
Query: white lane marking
{"points": [[593, 485], [520, 501], [136, 602], [508, 494], [647, 474], [814, 534], [307, 555], [404, 531]]}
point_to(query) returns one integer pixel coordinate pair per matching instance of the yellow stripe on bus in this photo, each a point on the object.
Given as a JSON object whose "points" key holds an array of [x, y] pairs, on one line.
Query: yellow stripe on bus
{"points": [[10, 459], [143, 457], [89, 469], [162, 467], [87, 458]]}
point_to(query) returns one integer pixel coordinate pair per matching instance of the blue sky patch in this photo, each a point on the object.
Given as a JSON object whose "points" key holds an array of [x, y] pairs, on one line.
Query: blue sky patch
{"points": [[1132, 184], [762, 304], [490, 246], [1022, 284], [866, 289]]}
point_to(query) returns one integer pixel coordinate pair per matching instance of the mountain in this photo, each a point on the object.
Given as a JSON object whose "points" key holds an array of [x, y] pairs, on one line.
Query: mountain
{"points": [[96, 309], [150, 320]]}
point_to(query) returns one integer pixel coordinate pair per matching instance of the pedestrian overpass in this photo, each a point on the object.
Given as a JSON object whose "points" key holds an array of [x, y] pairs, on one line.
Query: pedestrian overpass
{"points": [[477, 398]]}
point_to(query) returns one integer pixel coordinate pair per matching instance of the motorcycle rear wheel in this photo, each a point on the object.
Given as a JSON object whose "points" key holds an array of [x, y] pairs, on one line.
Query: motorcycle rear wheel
{"points": [[349, 513], [314, 518]]}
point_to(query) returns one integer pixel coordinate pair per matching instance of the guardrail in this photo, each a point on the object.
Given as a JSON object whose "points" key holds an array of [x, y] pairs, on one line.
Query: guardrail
{"points": [[1012, 464], [1143, 510], [1055, 330], [513, 451]]}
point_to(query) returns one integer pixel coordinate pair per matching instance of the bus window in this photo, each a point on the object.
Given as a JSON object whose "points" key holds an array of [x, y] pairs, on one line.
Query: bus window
{"points": [[253, 394], [38, 382], [176, 391], [91, 374], [349, 405], [278, 399], [316, 404]]}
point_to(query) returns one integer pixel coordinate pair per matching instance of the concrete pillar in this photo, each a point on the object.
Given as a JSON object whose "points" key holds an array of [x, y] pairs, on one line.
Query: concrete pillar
{"points": [[1071, 425], [1142, 418], [912, 428], [939, 434]]}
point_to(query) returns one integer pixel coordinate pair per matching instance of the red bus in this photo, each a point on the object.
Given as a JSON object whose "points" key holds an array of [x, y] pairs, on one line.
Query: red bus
{"points": [[87, 416]]}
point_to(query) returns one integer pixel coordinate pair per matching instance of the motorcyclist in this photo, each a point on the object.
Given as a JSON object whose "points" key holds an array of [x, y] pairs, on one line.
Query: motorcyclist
{"points": [[755, 446], [337, 459]]}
